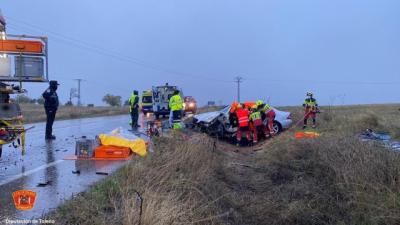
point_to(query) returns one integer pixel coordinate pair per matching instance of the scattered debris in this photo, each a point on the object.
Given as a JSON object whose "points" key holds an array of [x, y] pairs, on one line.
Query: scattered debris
{"points": [[101, 173], [76, 172], [380, 137], [43, 184]]}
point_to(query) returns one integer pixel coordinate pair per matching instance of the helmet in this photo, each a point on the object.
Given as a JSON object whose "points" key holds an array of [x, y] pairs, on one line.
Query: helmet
{"points": [[259, 102], [309, 93], [234, 106]]}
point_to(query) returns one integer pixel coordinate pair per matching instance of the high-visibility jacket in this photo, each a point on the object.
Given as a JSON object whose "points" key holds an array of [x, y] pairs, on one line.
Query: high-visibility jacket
{"points": [[267, 108], [176, 103], [243, 117], [255, 117], [310, 103], [134, 101]]}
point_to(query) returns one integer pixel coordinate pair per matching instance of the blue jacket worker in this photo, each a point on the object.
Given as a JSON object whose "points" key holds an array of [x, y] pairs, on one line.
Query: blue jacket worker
{"points": [[50, 105]]}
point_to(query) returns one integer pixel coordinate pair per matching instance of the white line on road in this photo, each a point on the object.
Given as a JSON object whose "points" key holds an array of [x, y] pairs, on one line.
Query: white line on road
{"points": [[29, 172]]}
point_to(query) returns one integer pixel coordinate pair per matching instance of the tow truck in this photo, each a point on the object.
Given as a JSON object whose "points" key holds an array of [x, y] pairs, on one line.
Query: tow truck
{"points": [[23, 58]]}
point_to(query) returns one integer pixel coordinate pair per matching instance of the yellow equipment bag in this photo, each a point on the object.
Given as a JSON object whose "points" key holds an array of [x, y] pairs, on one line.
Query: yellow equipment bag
{"points": [[137, 146]]}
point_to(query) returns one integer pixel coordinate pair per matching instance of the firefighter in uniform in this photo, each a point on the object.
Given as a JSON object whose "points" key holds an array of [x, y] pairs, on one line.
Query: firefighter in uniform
{"points": [[256, 123], [310, 110], [50, 105], [176, 107], [242, 115], [267, 113], [134, 109]]}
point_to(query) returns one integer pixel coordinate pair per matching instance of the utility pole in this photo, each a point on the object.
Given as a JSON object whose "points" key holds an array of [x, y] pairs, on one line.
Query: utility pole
{"points": [[79, 91], [238, 80]]}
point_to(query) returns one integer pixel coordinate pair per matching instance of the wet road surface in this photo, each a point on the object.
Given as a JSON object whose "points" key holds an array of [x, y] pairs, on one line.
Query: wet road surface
{"points": [[44, 162]]}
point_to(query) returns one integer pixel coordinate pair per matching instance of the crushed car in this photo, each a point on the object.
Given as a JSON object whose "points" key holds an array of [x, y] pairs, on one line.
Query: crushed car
{"points": [[217, 123]]}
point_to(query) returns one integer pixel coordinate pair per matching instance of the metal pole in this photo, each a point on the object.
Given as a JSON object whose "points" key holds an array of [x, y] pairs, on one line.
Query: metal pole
{"points": [[238, 80], [79, 91]]}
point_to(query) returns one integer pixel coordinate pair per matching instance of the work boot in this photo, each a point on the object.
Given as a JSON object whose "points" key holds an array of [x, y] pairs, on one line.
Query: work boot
{"points": [[51, 137]]}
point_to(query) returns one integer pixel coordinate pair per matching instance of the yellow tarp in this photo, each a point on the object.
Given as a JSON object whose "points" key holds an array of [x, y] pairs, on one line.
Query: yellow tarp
{"points": [[137, 146]]}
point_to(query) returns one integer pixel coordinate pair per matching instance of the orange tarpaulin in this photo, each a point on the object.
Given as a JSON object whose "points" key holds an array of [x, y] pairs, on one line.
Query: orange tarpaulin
{"points": [[306, 134], [21, 46]]}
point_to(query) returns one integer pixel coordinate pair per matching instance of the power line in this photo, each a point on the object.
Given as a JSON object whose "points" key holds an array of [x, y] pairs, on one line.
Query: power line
{"points": [[106, 52]]}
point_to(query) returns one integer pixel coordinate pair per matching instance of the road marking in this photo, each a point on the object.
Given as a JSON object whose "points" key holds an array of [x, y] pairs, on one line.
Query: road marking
{"points": [[29, 172]]}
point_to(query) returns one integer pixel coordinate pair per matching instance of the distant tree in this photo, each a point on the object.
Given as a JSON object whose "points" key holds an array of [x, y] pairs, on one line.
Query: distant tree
{"points": [[112, 100], [126, 103], [40, 100], [69, 103], [23, 99]]}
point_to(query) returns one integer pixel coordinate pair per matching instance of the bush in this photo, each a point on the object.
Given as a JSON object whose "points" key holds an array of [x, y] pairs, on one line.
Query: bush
{"points": [[112, 100]]}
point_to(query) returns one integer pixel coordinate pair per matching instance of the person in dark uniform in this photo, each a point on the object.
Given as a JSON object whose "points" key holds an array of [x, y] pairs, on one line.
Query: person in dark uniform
{"points": [[50, 105]]}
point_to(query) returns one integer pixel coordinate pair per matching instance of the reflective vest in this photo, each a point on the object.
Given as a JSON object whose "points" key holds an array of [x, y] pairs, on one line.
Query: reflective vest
{"points": [[134, 101], [267, 108], [176, 103], [255, 117], [243, 117], [310, 102]]}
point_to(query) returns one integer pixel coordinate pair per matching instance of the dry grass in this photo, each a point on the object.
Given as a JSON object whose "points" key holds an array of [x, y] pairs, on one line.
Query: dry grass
{"points": [[335, 179], [176, 188], [35, 113]]}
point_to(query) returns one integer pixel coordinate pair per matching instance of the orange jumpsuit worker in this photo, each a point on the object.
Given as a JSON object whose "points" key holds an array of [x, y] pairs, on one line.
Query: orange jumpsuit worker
{"points": [[256, 123], [242, 115], [310, 109]]}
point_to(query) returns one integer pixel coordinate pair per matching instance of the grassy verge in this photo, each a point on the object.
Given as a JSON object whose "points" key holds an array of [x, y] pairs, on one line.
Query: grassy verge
{"points": [[334, 179], [35, 113]]}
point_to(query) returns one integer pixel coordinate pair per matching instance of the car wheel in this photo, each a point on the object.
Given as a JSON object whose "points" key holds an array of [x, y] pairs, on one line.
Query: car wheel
{"points": [[220, 131], [277, 127]]}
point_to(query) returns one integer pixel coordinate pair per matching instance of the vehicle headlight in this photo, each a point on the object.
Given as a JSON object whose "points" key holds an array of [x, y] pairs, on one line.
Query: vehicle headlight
{"points": [[191, 105]]}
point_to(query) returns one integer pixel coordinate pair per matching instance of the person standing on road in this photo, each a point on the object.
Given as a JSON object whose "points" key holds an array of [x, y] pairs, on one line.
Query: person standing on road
{"points": [[310, 110], [176, 107], [50, 105], [134, 109]]}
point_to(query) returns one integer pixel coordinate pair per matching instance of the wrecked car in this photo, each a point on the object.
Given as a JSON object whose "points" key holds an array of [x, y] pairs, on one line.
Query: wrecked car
{"points": [[217, 123]]}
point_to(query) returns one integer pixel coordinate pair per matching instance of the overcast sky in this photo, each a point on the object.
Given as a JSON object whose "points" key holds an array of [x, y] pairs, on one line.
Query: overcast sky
{"points": [[345, 51]]}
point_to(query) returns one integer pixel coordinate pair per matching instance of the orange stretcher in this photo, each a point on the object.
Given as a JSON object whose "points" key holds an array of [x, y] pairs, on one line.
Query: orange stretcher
{"points": [[21, 46], [306, 134]]}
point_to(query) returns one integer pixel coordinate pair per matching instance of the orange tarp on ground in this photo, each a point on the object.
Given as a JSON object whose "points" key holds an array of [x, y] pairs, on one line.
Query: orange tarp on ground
{"points": [[22, 46], [306, 134]]}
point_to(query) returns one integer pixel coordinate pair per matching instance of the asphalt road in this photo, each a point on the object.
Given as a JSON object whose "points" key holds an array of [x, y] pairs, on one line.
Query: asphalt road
{"points": [[45, 162]]}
